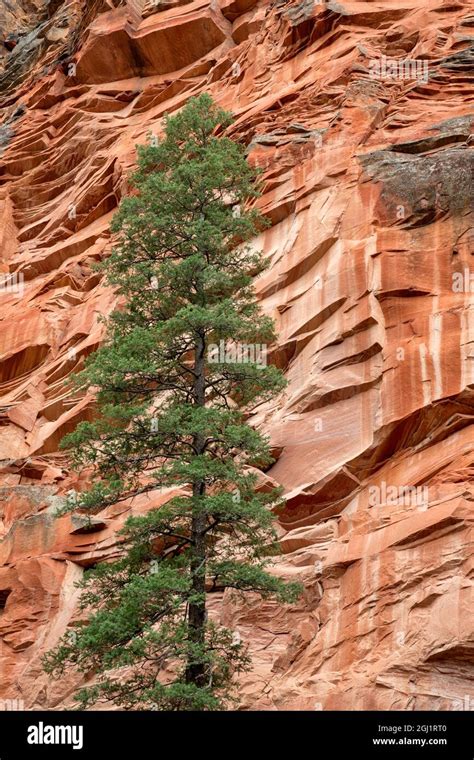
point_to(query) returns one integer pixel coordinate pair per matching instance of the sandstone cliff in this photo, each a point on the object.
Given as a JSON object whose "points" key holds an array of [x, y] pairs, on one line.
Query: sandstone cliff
{"points": [[369, 187]]}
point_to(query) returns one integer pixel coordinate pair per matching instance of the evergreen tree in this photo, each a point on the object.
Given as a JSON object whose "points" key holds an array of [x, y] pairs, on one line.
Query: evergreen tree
{"points": [[174, 385]]}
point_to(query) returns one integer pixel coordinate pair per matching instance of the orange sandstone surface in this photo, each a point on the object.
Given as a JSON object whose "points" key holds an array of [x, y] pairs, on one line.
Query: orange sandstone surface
{"points": [[360, 114]]}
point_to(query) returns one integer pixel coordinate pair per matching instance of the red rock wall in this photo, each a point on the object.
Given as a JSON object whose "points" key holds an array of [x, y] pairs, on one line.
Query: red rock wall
{"points": [[369, 185]]}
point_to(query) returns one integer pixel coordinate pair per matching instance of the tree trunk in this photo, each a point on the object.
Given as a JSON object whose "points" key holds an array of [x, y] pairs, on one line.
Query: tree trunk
{"points": [[195, 668]]}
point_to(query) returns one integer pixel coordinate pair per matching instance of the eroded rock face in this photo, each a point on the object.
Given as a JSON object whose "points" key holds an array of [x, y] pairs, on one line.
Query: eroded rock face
{"points": [[369, 187]]}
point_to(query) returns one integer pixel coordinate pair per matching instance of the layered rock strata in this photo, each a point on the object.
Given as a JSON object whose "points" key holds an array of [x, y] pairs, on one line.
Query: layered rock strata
{"points": [[360, 115]]}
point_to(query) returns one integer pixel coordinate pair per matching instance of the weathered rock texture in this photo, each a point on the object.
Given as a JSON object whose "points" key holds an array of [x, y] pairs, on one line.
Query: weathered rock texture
{"points": [[369, 187]]}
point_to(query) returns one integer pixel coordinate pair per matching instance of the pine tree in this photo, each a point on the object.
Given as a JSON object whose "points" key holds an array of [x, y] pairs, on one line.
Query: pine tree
{"points": [[182, 363]]}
